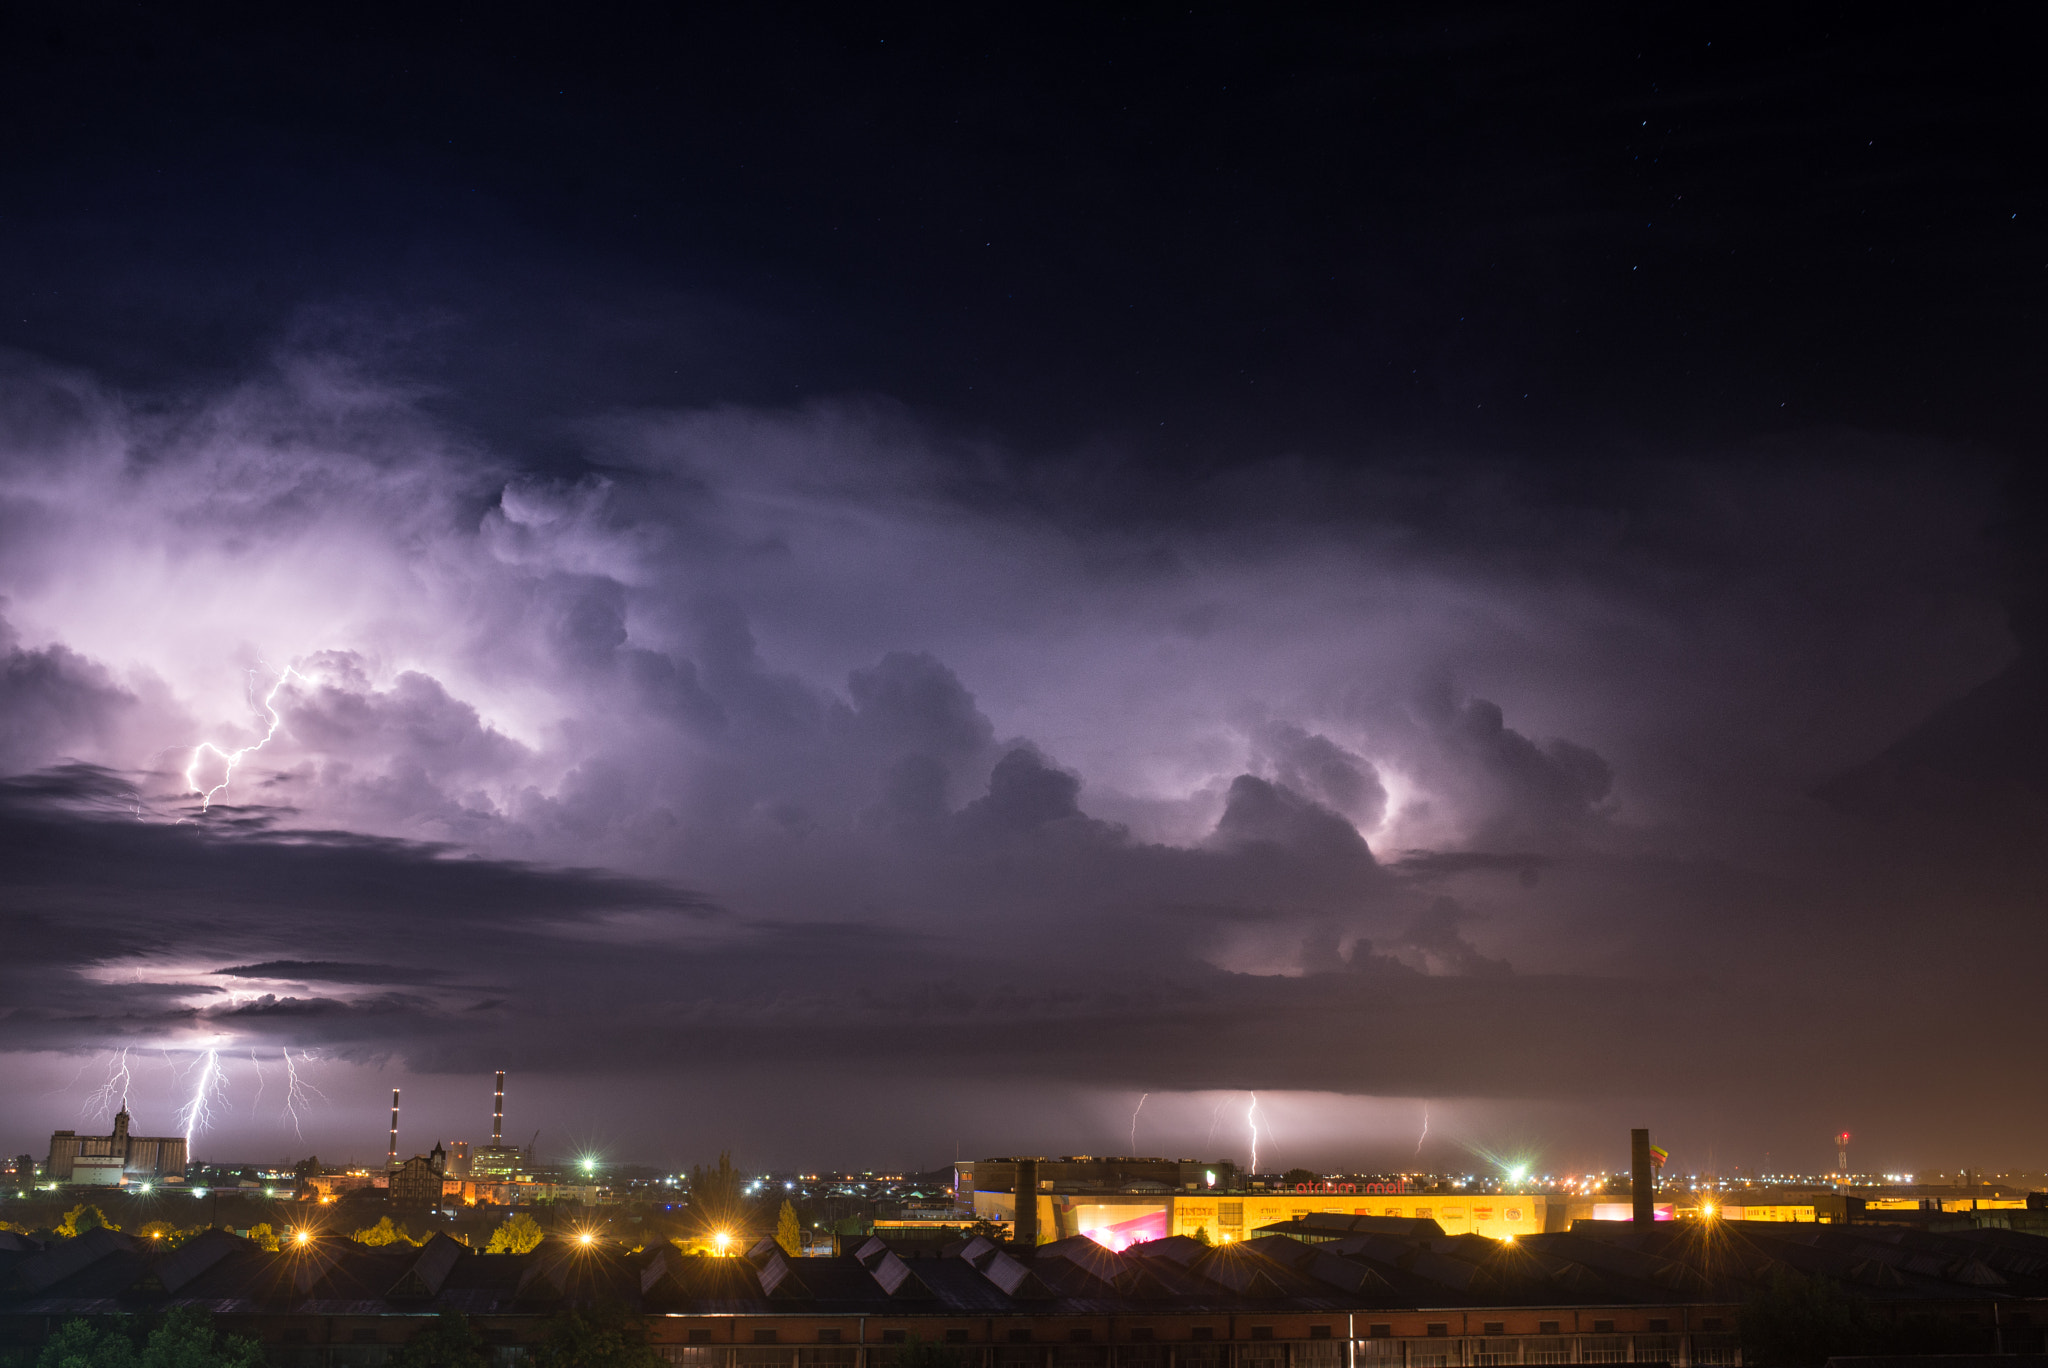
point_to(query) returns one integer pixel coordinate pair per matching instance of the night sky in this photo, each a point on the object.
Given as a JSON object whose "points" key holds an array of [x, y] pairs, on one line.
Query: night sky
{"points": [[861, 585]]}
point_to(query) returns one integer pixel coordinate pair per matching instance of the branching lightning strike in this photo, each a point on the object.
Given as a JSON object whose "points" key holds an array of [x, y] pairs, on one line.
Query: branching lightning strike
{"points": [[113, 1092], [1134, 1120], [1216, 1118], [295, 1093], [230, 759], [1425, 1129], [210, 1092]]}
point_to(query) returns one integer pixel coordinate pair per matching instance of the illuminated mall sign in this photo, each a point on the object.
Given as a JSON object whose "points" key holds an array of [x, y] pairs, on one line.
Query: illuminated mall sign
{"points": [[1373, 1189]]}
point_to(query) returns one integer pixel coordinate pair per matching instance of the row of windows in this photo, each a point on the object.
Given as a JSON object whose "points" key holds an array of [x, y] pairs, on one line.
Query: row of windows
{"points": [[1659, 1325], [1479, 1213], [1702, 1351], [1142, 1334], [1138, 1335]]}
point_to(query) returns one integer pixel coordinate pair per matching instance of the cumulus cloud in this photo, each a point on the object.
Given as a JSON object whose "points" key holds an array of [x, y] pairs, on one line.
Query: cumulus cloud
{"points": [[1320, 768], [53, 701]]}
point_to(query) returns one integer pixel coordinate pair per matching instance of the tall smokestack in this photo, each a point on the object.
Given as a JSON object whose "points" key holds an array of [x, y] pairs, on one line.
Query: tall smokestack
{"points": [[498, 1115], [1026, 1229], [391, 1156], [1644, 1175]]}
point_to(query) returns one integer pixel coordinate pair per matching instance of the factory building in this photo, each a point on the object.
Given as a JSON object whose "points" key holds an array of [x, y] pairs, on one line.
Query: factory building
{"points": [[498, 1160], [417, 1184], [110, 1160]]}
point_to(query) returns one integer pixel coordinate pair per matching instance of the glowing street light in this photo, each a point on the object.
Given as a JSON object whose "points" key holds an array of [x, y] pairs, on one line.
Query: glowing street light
{"points": [[723, 1240]]}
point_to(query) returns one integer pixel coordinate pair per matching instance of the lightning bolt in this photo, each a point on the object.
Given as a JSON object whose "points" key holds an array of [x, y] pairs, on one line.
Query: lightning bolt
{"points": [[210, 1092], [1251, 1116], [1425, 1129], [259, 1080], [1134, 1122], [1215, 1118], [104, 1097], [295, 1093], [230, 759], [67, 1087]]}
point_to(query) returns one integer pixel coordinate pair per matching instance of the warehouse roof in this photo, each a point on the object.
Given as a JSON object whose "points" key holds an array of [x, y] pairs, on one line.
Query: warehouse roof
{"points": [[1593, 1264]]}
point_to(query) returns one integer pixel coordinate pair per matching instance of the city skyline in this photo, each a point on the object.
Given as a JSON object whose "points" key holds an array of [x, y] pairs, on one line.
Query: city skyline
{"points": [[876, 588]]}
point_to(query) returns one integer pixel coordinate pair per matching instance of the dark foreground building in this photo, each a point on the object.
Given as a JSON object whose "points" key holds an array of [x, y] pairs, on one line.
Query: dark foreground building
{"points": [[1383, 1294]]}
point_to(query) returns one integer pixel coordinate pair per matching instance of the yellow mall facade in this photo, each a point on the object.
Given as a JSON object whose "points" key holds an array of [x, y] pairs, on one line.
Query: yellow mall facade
{"points": [[1124, 1220]]}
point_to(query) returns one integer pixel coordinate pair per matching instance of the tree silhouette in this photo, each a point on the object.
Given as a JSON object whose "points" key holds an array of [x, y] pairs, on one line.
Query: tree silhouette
{"points": [[920, 1353], [715, 1198], [82, 1218], [185, 1339], [450, 1342], [521, 1234], [383, 1233], [607, 1336]]}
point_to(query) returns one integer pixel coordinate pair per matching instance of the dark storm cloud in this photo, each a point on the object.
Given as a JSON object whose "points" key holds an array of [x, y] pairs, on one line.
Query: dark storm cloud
{"points": [[325, 971], [1439, 864], [1126, 584], [51, 700], [731, 662], [1319, 767]]}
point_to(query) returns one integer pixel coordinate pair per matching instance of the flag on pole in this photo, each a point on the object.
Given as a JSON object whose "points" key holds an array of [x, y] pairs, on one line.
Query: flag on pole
{"points": [[1658, 1156]]}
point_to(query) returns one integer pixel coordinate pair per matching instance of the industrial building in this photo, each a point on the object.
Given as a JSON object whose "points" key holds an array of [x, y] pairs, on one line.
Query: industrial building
{"points": [[497, 1160], [419, 1182], [1402, 1294], [1124, 1201], [110, 1160]]}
